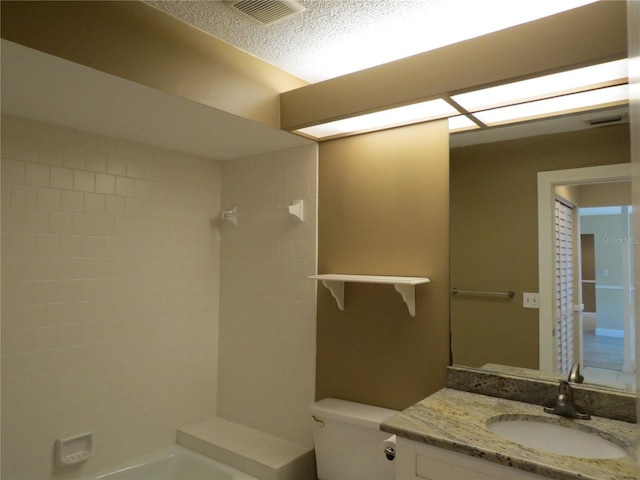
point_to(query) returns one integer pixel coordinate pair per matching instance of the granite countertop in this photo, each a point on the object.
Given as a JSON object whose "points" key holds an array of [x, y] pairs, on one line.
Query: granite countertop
{"points": [[456, 420]]}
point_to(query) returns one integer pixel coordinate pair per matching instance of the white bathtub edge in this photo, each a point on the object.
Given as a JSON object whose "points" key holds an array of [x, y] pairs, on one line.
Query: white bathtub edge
{"points": [[165, 452]]}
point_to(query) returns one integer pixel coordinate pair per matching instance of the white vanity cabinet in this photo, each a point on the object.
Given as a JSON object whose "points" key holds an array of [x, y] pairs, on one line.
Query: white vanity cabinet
{"points": [[417, 461]]}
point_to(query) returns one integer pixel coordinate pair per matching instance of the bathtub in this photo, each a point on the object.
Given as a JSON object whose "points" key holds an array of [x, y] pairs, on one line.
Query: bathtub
{"points": [[172, 463]]}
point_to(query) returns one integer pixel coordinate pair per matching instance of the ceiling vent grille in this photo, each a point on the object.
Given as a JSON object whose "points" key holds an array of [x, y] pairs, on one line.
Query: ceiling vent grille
{"points": [[266, 12], [596, 122]]}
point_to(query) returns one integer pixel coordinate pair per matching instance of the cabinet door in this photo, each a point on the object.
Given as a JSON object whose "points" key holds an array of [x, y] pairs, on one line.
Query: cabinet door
{"points": [[416, 461]]}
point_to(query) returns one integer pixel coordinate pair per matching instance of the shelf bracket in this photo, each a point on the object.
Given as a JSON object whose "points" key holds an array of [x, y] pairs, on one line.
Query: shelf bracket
{"points": [[336, 287], [408, 294]]}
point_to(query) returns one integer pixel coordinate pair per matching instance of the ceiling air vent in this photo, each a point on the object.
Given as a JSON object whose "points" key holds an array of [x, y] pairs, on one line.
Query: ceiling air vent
{"points": [[266, 12], [596, 122]]}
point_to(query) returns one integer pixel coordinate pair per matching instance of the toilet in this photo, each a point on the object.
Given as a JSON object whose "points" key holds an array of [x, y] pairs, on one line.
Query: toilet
{"points": [[348, 442]]}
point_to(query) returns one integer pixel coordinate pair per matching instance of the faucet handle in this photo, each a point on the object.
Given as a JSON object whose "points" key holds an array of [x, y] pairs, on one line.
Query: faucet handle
{"points": [[564, 405], [574, 374], [565, 392]]}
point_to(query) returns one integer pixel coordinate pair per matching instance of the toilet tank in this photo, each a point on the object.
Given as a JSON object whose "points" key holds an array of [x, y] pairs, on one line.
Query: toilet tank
{"points": [[348, 441]]}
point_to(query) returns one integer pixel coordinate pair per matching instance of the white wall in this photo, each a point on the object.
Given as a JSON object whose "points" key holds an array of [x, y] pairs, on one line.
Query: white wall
{"points": [[110, 272], [267, 304], [611, 239]]}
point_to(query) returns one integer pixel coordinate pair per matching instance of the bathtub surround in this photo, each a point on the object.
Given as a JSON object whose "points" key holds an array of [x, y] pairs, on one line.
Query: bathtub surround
{"points": [[110, 278], [260, 454], [111, 259], [267, 307]]}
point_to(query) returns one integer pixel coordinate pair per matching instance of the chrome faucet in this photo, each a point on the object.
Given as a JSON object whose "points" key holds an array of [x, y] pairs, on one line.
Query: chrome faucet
{"points": [[574, 374], [565, 406]]}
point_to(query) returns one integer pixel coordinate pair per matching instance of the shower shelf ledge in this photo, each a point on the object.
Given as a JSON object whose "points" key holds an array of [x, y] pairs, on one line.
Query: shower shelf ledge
{"points": [[405, 286]]}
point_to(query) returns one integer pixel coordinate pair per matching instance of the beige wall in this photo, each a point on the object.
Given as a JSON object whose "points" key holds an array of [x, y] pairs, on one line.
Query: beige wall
{"points": [[602, 195], [383, 210], [109, 295], [267, 304], [494, 242], [135, 41]]}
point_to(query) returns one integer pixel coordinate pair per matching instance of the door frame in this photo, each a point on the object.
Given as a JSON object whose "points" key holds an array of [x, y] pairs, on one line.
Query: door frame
{"points": [[547, 183]]}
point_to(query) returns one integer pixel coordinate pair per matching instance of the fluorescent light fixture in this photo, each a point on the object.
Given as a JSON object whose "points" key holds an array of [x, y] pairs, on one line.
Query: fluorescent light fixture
{"points": [[596, 86], [394, 117], [587, 78], [577, 102], [461, 123]]}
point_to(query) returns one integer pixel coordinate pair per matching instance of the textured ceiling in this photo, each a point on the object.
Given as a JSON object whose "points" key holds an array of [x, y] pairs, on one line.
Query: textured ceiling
{"points": [[334, 37]]}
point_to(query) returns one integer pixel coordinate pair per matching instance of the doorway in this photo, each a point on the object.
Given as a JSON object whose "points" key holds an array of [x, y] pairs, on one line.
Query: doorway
{"points": [[548, 183], [607, 293]]}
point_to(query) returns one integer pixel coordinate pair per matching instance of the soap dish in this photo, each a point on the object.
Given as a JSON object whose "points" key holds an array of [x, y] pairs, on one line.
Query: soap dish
{"points": [[73, 450]]}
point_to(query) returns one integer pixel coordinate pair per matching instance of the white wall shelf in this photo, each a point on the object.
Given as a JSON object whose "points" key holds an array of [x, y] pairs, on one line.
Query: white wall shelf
{"points": [[405, 286]]}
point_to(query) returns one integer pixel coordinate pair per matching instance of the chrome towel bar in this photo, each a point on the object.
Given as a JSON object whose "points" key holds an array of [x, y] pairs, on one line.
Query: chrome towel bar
{"points": [[509, 294]]}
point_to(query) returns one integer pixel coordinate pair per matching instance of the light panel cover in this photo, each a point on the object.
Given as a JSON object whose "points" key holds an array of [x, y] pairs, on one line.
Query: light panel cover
{"points": [[577, 102], [418, 112], [572, 81]]}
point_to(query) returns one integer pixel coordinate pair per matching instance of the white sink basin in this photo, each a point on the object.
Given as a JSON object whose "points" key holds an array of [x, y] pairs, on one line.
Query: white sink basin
{"points": [[555, 438]]}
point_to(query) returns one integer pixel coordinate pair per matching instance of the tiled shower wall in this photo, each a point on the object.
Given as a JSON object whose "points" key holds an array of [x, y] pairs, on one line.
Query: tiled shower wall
{"points": [[110, 272], [267, 303]]}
